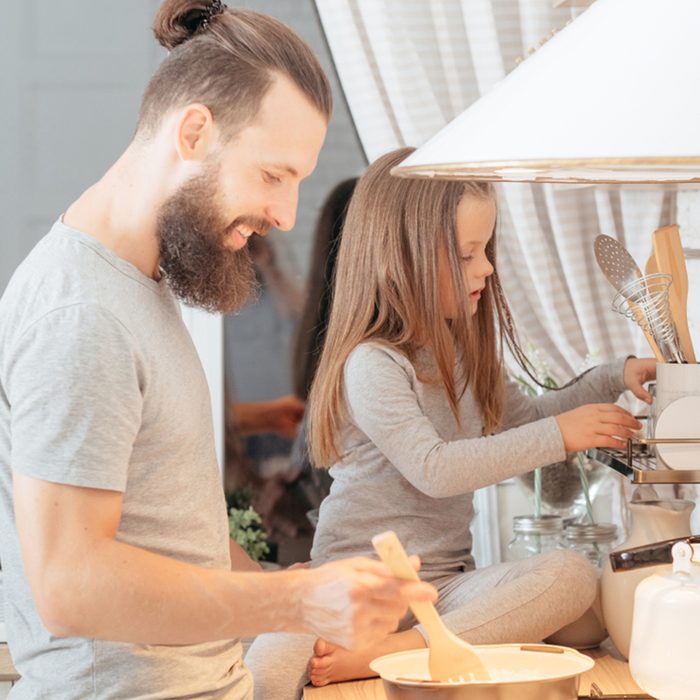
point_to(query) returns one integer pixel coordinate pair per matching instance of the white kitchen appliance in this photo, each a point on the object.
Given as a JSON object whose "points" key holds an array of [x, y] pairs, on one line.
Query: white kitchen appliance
{"points": [[666, 620], [666, 624]]}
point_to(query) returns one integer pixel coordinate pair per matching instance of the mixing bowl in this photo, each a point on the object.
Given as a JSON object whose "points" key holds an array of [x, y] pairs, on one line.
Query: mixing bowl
{"points": [[518, 672]]}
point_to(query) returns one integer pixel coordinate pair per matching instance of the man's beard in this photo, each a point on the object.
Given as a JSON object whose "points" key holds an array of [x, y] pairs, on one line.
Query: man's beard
{"points": [[200, 270]]}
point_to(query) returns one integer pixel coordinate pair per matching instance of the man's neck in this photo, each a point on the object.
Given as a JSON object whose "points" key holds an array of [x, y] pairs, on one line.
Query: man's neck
{"points": [[120, 211]]}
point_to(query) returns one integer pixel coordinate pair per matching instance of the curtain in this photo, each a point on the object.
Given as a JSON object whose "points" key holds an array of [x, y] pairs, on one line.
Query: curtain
{"points": [[407, 68]]}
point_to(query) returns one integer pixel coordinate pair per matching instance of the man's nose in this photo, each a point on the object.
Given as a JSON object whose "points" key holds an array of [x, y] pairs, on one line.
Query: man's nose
{"points": [[284, 211]]}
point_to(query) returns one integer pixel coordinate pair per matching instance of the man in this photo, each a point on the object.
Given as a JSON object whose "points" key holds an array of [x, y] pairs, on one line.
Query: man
{"points": [[113, 531]]}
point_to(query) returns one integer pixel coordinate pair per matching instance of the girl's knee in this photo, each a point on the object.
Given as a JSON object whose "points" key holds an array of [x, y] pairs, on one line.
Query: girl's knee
{"points": [[278, 663], [577, 577]]}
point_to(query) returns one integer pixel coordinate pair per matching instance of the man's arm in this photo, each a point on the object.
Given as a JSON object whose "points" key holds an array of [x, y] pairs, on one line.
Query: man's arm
{"points": [[240, 561], [87, 583]]}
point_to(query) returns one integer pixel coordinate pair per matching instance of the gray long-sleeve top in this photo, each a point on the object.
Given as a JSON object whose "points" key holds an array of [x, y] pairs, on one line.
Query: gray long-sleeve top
{"points": [[407, 465]]}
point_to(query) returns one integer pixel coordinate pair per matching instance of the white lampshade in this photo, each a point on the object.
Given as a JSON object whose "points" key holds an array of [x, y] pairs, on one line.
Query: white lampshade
{"points": [[612, 97]]}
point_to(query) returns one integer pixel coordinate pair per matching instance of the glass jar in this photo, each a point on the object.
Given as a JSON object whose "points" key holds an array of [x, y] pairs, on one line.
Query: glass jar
{"points": [[593, 541], [534, 535]]}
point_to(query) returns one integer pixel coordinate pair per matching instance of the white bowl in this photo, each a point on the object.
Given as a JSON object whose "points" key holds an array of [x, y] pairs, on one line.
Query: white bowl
{"points": [[519, 672]]}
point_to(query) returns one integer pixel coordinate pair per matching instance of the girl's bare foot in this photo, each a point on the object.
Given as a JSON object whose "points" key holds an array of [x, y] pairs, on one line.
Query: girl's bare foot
{"points": [[331, 663]]}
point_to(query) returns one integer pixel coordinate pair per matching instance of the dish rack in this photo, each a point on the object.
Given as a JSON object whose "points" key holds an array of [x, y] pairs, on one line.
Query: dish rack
{"points": [[639, 464]]}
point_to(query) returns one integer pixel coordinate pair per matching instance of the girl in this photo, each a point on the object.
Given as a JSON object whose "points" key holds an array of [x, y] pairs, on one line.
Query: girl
{"points": [[411, 407]]}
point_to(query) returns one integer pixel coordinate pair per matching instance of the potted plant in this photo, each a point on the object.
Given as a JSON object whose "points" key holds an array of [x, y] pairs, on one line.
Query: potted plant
{"points": [[245, 525]]}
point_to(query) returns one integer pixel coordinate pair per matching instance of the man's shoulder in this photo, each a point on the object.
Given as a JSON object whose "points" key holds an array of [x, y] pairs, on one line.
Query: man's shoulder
{"points": [[48, 281], [58, 266], [69, 276]]}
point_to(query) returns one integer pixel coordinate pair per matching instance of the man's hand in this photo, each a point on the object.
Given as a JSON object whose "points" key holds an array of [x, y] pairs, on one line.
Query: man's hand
{"points": [[638, 372], [357, 602]]}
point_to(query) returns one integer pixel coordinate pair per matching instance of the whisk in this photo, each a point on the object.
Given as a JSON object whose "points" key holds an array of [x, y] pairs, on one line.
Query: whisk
{"points": [[645, 301]]}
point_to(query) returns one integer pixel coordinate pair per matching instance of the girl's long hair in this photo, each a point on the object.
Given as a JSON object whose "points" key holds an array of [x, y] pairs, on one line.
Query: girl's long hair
{"points": [[387, 290]]}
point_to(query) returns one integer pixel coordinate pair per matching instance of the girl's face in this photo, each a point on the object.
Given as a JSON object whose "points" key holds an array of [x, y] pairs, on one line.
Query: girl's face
{"points": [[475, 221]]}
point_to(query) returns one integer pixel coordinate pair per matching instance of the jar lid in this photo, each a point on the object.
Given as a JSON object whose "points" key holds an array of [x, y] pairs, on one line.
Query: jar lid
{"points": [[542, 525], [590, 532]]}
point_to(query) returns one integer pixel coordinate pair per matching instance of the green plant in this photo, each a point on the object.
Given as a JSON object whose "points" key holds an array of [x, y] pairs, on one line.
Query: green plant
{"points": [[240, 498], [558, 481], [245, 527]]}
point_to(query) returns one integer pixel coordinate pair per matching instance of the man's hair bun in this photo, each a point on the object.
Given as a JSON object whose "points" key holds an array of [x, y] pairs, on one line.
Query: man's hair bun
{"points": [[179, 20]]}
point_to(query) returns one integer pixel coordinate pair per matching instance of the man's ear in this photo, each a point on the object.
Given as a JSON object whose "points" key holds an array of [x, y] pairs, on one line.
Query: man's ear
{"points": [[194, 132]]}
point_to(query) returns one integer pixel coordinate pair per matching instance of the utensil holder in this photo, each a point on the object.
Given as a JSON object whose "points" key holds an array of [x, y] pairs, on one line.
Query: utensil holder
{"points": [[675, 409], [674, 381]]}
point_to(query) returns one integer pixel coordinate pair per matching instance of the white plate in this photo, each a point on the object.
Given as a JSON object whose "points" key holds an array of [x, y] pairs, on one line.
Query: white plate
{"points": [[680, 419]]}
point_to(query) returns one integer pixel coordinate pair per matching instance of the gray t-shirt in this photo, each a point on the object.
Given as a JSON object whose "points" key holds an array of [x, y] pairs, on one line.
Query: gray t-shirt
{"points": [[101, 387], [407, 464]]}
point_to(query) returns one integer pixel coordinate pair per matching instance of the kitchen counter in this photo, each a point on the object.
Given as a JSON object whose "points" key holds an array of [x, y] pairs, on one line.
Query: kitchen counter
{"points": [[7, 670], [610, 673]]}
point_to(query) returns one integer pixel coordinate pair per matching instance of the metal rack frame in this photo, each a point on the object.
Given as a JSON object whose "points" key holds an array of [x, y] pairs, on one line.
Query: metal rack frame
{"points": [[637, 462]]}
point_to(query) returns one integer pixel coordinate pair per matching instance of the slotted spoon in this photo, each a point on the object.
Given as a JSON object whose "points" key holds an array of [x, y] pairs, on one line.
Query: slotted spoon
{"points": [[615, 261], [621, 270], [449, 657]]}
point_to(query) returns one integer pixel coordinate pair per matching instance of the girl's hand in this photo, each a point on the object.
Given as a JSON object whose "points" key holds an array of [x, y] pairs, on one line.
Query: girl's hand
{"points": [[636, 373], [596, 425]]}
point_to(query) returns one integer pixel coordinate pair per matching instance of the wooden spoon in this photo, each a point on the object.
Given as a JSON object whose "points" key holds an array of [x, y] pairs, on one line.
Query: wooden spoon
{"points": [[651, 267], [668, 252], [449, 657]]}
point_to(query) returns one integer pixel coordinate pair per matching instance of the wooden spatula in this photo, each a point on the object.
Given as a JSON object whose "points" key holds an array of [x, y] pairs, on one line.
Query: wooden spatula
{"points": [[668, 253], [650, 268], [449, 657]]}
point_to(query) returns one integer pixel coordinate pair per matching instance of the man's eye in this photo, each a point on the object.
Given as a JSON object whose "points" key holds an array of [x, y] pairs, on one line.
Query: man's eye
{"points": [[269, 177]]}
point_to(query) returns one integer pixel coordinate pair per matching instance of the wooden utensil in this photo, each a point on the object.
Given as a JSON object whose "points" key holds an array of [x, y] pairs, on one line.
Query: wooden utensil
{"points": [[668, 253], [651, 268], [449, 657]]}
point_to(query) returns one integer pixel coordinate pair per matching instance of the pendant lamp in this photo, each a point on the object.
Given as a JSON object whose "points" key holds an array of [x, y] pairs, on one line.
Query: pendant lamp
{"points": [[613, 97]]}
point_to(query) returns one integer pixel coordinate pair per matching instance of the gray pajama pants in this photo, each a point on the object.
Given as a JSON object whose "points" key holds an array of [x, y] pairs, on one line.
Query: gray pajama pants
{"points": [[524, 601]]}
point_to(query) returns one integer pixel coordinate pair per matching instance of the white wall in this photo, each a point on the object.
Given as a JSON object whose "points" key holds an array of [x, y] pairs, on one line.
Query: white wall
{"points": [[71, 82], [73, 74], [208, 336]]}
